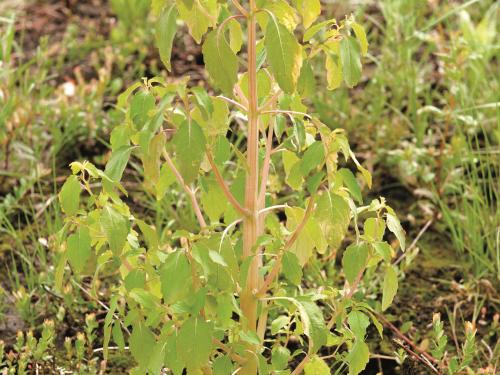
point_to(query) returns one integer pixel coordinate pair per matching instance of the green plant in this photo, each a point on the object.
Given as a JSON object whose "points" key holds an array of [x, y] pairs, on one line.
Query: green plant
{"points": [[245, 277]]}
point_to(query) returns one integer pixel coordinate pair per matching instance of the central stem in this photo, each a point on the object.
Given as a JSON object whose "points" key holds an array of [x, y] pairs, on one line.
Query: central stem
{"points": [[251, 227]]}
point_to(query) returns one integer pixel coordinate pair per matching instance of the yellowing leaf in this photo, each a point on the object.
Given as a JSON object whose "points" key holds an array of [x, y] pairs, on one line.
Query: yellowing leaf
{"points": [[165, 33], [361, 36], [333, 71], [235, 35], [390, 286], [354, 261], [221, 62], [284, 54], [309, 10], [395, 227], [198, 17]]}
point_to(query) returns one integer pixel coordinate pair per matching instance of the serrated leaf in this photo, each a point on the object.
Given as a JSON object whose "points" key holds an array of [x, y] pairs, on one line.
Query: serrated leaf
{"points": [[116, 228], [189, 142], [141, 342], [165, 33], [309, 10], [194, 343], [284, 54], [316, 366], [395, 227], [221, 62], [141, 104], [69, 196], [361, 36], [117, 163], [351, 61], [79, 249], [354, 261], [358, 357], [291, 268], [358, 323], [390, 286], [175, 277]]}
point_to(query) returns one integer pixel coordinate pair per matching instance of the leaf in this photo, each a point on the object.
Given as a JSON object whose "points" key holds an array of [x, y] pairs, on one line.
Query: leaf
{"points": [[175, 277], [358, 323], [333, 216], [189, 142], [222, 365], [316, 366], [116, 228], [384, 250], [358, 357], [197, 17], [194, 343], [291, 268], [221, 62], [141, 104], [280, 357], [354, 261], [284, 54], [309, 10], [166, 179], [314, 325], [278, 323], [390, 286], [117, 163], [235, 35], [213, 201], [79, 249], [374, 228], [165, 33], [395, 227], [70, 195], [141, 342], [333, 71], [351, 62], [361, 36], [351, 183]]}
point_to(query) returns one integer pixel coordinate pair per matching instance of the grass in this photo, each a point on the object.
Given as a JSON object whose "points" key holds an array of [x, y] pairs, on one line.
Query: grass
{"points": [[427, 121]]}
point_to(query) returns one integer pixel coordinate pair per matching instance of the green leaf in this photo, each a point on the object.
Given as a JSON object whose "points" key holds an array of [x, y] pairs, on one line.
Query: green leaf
{"points": [[141, 104], [194, 343], [358, 323], [395, 227], [314, 325], [384, 250], [221, 62], [117, 163], [351, 183], [351, 62], [316, 366], [309, 10], [390, 286], [333, 71], [291, 268], [222, 365], [278, 323], [175, 277], [358, 357], [284, 54], [354, 261], [166, 179], [213, 201], [374, 228], [280, 357], [79, 249], [165, 33], [189, 142], [361, 36], [70, 195], [116, 228], [141, 342]]}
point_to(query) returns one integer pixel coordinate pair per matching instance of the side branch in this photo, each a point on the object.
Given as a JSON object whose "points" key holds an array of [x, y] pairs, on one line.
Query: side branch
{"points": [[187, 189], [225, 189], [265, 167]]}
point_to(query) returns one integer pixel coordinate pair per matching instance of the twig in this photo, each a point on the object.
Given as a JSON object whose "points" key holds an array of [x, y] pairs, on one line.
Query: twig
{"points": [[233, 355], [300, 366], [286, 112], [417, 357], [296, 232], [224, 187], [187, 189], [240, 7], [234, 102], [415, 241]]}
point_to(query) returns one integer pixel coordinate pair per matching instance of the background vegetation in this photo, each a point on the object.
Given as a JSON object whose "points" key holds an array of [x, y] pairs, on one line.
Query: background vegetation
{"points": [[425, 120]]}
